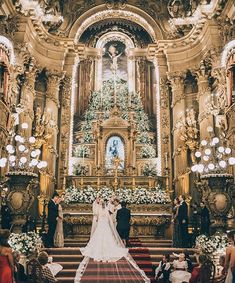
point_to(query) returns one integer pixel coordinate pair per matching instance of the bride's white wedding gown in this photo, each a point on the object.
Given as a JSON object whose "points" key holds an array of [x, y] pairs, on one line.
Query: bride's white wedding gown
{"points": [[105, 245]]}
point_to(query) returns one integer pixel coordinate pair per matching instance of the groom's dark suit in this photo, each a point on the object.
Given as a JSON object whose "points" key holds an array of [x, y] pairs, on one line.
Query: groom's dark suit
{"points": [[123, 223], [52, 221], [183, 223]]}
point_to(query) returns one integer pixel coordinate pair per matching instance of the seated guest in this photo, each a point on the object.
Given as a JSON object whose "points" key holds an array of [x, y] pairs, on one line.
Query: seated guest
{"points": [[189, 262], [54, 267], [162, 272], [195, 276], [43, 260], [180, 273], [19, 272], [220, 278]]}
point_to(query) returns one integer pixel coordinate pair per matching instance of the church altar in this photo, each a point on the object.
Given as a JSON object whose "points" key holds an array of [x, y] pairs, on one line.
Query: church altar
{"points": [[146, 219]]}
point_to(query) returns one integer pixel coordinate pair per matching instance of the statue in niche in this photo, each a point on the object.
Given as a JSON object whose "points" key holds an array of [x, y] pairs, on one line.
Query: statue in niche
{"points": [[114, 149], [114, 55], [114, 61]]}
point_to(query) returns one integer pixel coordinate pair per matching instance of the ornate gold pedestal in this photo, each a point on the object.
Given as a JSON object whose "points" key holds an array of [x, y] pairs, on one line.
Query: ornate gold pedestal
{"points": [[216, 193], [20, 197]]}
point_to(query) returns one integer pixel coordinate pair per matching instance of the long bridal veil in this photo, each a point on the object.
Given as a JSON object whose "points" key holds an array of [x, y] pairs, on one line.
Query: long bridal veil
{"points": [[106, 251]]}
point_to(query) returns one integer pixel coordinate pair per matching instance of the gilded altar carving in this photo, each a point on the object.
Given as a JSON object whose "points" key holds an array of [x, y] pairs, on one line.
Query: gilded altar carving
{"points": [[177, 83], [9, 25], [189, 132], [227, 29], [146, 219]]}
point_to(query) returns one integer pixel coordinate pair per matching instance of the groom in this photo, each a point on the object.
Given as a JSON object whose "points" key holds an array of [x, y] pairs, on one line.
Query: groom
{"points": [[52, 218], [123, 222]]}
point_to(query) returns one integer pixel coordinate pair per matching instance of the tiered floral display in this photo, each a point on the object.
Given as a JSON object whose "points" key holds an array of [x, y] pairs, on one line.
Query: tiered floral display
{"points": [[131, 196], [25, 243], [100, 105]]}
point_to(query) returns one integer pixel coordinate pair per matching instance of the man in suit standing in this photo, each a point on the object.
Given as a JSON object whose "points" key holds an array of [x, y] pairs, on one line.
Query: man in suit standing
{"points": [[123, 222], [183, 221], [205, 219], [52, 218]]}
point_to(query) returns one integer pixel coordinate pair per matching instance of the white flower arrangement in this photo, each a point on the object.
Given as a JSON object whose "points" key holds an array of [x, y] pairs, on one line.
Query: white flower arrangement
{"points": [[212, 245], [132, 196], [81, 151], [149, 169], [25, 243], [148, 151]]}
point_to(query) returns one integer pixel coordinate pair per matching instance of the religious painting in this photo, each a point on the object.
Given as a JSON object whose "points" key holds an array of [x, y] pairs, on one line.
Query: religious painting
{"points": [[114, 61], [114, 149]]}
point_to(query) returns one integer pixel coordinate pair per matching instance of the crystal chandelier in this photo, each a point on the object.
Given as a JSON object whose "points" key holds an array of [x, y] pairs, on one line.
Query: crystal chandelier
{"points": [[22, 155], [213, 156]]}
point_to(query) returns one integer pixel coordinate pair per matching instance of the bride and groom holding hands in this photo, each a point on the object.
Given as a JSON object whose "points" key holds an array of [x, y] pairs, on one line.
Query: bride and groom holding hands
{"points": [[108, 239]]}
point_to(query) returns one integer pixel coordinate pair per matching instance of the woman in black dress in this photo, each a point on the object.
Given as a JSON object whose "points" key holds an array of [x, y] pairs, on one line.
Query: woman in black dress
{"points": [[176, 239]]}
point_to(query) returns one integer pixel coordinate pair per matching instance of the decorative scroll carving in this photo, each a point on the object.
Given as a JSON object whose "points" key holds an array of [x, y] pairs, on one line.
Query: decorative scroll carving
{"points": [[182, 8], [177, 83], [164, 93], [10, 25], [116, 4], [227, 29]]}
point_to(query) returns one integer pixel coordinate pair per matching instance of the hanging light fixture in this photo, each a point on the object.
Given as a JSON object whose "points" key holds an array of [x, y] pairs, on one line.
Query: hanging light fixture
{"points": [[213, 156], [22, 156]]}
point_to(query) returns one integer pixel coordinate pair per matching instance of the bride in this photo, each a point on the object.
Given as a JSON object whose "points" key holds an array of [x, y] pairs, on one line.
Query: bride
{"points": [[105, 245]]}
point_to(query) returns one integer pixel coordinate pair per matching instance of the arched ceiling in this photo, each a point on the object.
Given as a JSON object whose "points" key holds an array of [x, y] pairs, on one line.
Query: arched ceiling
{"points": [[138, 34]]}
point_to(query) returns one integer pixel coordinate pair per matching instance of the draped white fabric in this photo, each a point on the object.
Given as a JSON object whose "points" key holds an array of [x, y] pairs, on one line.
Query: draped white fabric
{"points": [[105, 245]]}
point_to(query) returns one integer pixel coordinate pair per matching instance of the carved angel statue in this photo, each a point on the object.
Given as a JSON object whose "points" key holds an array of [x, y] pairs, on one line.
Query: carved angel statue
{"points": [[189, 132], [44, 125]]}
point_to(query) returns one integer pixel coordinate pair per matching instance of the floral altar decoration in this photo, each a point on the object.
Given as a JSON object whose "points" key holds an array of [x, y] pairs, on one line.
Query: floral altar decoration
{"points": [[213, 246], [25, 243], [100, 109], [131, 196]]}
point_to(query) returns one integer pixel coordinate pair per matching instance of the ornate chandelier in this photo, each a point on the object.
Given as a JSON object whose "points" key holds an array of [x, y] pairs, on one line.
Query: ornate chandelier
{"points": [[22, 155], [213, 156]]}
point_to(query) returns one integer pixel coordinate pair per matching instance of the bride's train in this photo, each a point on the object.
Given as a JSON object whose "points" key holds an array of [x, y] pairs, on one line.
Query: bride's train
{"points": [[105, 246]]}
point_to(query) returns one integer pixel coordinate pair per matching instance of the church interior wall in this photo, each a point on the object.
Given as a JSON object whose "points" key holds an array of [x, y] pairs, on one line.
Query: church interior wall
{"points": [[196, 55]]}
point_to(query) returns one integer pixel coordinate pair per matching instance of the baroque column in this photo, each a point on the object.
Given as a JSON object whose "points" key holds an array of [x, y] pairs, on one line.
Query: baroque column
{"points": [[65, 127], [49, 149], [27, 97], [141, 79], [205, 119], [178, 113]]}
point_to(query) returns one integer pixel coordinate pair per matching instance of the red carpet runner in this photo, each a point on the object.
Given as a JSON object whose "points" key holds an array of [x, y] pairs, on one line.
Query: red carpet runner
{"points": [[146, 251], [115, 272]]}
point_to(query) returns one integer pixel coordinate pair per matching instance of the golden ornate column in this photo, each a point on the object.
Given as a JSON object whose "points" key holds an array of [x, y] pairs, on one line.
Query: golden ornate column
{"points": [[65, 124], [178, 113], [205, 119], [27, 97], [49, 148], [141, 79]]}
